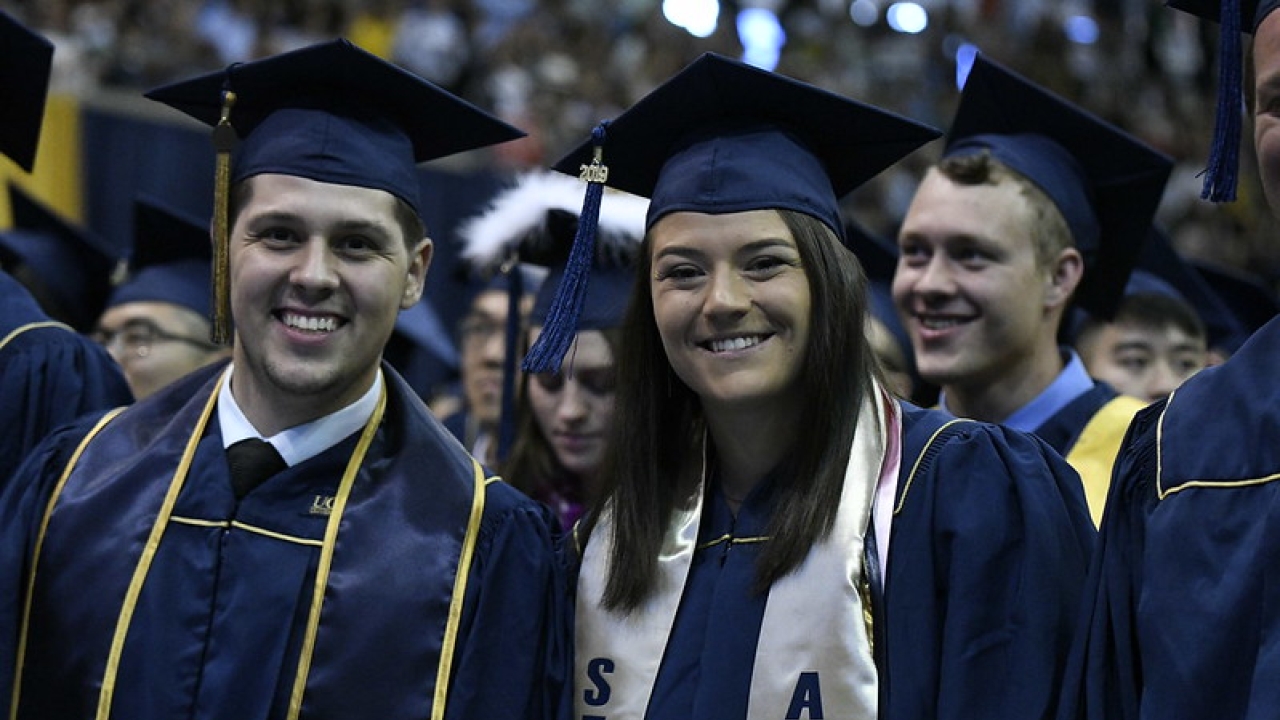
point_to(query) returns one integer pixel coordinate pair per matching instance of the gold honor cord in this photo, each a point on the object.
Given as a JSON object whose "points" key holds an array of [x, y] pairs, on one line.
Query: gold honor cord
{"points": [[459, 593], [35, 553], [149, 554], [33, 326], [326, 553]]}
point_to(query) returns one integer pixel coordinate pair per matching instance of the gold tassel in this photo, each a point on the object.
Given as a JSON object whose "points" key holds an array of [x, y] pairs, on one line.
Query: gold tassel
{"points": [[224, 141]]}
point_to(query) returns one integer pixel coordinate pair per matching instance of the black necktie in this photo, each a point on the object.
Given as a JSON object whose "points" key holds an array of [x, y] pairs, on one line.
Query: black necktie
{"points": [[252, 461]]}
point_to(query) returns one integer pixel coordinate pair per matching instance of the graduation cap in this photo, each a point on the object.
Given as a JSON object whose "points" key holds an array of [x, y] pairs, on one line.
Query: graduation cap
{"points": [[1250, 303], [329, 112], [534, 222], [1160, 261], [1235, 16], [1105, 182], [170, 260], [73, 264], [25, 61], [722, 136]]}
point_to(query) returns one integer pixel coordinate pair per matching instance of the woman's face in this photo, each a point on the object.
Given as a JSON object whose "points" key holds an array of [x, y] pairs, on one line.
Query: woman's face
{"points": [[732, 305], [574, 409]]}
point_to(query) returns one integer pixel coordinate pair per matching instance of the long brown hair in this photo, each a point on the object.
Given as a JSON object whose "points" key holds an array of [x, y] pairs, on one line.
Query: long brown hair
{"points": [[653, 465]]}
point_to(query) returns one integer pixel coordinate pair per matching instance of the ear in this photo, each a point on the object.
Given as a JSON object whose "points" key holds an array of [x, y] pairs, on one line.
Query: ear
{"points": [[1064, 275], [419, 260]]}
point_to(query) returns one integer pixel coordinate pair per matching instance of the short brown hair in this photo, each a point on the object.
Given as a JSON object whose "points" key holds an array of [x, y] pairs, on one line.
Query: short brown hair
{"points": [[1049, 230]]}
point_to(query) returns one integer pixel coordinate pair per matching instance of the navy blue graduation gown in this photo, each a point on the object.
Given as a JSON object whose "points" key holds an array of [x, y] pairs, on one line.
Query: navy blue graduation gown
{"points": [[49, 376], [217, 630], [1182, 613], [986, 560]]}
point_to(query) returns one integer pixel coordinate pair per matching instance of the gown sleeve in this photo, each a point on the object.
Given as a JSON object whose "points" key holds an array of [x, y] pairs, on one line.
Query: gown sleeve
{"points": [[50, 377], [991, 589], [514, 646], [22, 505]]}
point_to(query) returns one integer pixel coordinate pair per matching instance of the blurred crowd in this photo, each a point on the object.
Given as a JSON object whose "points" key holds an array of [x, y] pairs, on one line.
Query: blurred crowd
{"points": [[556, 67]]}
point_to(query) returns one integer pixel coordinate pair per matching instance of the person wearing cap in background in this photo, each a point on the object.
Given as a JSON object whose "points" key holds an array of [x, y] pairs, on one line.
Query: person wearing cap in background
{"points": [[1034, 204], [1180, 620], [1152, 345], [67, 268], [496, 317], [563, 418], [50, 374], [1160, 334], [157, 322], [769, 508], [292, 535]]}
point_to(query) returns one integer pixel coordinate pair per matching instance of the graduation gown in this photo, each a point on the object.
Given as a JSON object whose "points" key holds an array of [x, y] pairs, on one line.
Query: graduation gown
{"points": [[1181, 615], [990, 543], [440, 588], [49, 376]]}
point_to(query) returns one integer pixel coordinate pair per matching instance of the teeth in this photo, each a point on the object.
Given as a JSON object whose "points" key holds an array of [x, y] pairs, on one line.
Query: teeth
{"points": [[938, 324], [734, 343], [311, 324]]}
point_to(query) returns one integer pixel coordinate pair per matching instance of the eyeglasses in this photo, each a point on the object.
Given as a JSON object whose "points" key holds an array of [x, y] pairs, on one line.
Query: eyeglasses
{"points": [[138, 336], [480, 330]]}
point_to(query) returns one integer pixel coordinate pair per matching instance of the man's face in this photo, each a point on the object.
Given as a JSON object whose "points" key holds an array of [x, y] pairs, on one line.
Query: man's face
{"points": [[968, 285], [1266, 127], [1141, 360], [484, 342], [318, 274], [156, 343]]}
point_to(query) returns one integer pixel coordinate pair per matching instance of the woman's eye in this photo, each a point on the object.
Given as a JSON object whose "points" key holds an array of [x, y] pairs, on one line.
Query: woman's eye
{"points": [[678, 272]]}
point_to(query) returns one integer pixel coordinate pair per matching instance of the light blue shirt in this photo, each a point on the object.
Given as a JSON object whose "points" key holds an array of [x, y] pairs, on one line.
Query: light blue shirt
{"points": [[1070, 384], [301, 442]]}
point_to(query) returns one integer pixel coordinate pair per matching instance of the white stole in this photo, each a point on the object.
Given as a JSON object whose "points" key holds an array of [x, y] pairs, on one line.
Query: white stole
{"points": [[814, 635]]}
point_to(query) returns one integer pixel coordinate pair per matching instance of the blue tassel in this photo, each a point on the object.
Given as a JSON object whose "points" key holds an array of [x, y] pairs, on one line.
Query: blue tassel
{"points": [[561, 326], [1224, 157], [507, 416]]}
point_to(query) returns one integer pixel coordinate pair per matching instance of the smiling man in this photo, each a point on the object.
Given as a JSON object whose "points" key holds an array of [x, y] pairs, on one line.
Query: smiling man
{"points": [[1035, 204], [292, 535]]}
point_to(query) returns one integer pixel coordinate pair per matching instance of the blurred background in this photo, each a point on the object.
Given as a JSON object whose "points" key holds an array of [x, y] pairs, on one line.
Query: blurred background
{"points": [[556, 67]]}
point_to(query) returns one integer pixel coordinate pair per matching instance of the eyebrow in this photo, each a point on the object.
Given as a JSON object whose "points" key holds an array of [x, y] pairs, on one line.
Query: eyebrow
{"points": [[753, 246], [1132, 345]]}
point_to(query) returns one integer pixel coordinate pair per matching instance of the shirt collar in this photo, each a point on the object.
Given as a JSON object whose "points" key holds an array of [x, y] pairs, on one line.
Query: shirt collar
{"points": [[1070, 384], [301, 442]]}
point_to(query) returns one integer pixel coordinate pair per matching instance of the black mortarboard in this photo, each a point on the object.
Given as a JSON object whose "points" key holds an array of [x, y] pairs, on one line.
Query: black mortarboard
{"points": [[535, 220], [329, 112], [1235, 17], [25, 61], [1250, 303], [74, 264], [722, 136], [1105, 182], [1163, 262], [170, 259]]}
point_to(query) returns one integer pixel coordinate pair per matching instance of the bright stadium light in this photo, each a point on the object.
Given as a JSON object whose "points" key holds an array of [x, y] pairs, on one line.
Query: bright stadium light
{"points": [[697, 17], [762, 37], [864, 12], [907, 17]]}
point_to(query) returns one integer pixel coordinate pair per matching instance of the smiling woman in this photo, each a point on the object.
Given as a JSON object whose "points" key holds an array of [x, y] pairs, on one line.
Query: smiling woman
{"points": [[755, 531]]}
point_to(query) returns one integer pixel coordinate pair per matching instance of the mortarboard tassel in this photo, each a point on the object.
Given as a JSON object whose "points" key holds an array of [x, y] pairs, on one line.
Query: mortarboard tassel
{"points": [[507, 416], [224, 141], [1224, 156], [561, 327]]}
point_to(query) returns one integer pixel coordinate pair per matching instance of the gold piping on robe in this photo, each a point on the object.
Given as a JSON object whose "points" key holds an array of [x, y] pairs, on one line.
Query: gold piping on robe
{"points": [[33, 326], [24, 626]]}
